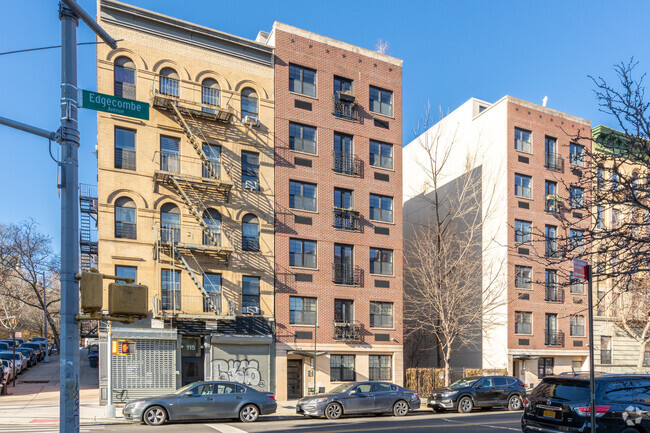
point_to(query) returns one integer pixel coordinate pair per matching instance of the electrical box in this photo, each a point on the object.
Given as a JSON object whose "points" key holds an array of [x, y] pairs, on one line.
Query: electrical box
{"points": [[129, 300], [91, 287]]}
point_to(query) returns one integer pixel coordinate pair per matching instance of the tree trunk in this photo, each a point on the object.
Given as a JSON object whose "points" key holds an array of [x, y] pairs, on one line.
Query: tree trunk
{"points": [[447, 367], [640, 359], [54, 332]]}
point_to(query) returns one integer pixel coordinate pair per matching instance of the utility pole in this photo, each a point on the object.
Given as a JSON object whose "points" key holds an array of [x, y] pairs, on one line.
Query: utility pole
{"points": [[592, 373], [109, 410], [47, 343], [315, 329]]}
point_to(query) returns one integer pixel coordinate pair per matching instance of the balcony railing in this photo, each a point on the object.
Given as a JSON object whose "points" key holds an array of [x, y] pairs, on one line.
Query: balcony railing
{"points": [[346, 331], [349, 275], [552, 204], [553, 293], [347, 163], [553, 161], [173, 163], [193, 236], [189, 98], [345, 109], [174, 303], [553, 338], [346, 219]]}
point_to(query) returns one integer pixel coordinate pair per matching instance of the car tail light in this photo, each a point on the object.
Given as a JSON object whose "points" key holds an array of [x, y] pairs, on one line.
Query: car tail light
{"points": [[523, 385], [586, 410], [416, 395], [271, 396], [526, 402]]}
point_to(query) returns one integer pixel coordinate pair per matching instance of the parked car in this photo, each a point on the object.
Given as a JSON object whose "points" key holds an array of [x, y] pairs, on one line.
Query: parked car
{"points": [[481, 391], [53, 349], [8, 366], [4, 346], [561, 403], [44, 342], [202, 400], [30, 355], [38, 348], [9, 343], [360, 398], [19, 341], [19, 359]]}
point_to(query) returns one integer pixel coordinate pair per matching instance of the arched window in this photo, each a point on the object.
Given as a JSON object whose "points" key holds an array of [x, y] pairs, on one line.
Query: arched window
{"points": [[125, 224], [212, 218], [170, 223], [124, 70], [209, 94], [169, 82], [249, 103], [250, 233]]}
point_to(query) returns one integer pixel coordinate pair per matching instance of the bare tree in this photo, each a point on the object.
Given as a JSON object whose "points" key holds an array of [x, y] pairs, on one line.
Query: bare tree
{"points": [[454, 285], [28, 263]]}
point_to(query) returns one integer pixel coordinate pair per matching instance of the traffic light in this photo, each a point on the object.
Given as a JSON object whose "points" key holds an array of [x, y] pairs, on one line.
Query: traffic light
{"points": [[126, 301], [123, 347]]}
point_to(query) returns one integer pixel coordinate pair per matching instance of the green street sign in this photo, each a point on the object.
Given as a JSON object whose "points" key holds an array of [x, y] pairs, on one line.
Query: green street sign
{"points": [[113, 104]]}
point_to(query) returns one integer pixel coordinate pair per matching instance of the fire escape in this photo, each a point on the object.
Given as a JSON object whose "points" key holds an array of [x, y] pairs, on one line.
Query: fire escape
{"points": [[194, 180], [88, 226]]}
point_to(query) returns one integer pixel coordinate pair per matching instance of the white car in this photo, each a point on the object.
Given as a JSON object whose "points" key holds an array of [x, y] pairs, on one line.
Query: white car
{"points": [[21, 361], [8, 367]]}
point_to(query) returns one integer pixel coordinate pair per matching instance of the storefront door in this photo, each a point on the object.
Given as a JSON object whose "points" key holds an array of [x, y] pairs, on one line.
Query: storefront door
{"points": [[294, 378]]}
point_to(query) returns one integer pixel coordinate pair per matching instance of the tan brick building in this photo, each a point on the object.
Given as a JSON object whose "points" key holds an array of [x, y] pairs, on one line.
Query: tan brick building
{"points": [[338, 227], [185, 198], [528, 163]]}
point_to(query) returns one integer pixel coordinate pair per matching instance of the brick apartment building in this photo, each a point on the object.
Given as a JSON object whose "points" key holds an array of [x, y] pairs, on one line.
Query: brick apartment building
{"points": [[528, 163], [338, 233]]}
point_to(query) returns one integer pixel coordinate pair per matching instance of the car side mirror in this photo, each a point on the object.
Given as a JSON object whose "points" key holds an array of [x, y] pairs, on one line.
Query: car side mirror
{"points": [[354, 391], [189, 394], [478, 385]]}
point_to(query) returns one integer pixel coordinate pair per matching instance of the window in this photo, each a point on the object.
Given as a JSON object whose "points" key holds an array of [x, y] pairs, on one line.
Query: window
{"points": [[551, 334], [249, 103], [210, 95], [552, 160], [522, 140], [302, 80], [523, 277], [343, 311], [577, 285], [125, 221], [170, 223], [343, 198], [124, 71], [170, 289], [127, 272], [169, 154], [381, 154], [544, 367], [212, 285], [552, 291], [125, 149], [342, 368], [605, 350], [552, 202], [600, 217], [213, 154], [550, 241], [212, 235], [381, 208], [381, 315], [576, 240], [302, 195], [250, 292], [523, 232], [302, 138], [250, 233], [577, 154], [615, 181], [522, 186], [344, 271], [381, 261], [302, 311], [523, 322], [380, 368], [342, 85], [344, 160], [629, 390], [576, 198], [302, 253], [615, 217], [381, 101], [169, 82], [250, 167], [577, 326]]}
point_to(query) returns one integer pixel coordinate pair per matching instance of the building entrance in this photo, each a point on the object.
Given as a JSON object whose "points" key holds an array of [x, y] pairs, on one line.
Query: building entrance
{"points": [[294, 378]]}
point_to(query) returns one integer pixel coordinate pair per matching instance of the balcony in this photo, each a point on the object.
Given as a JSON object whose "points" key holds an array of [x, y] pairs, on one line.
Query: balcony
{"points": [[553, 293], [172, 303], [552, 204], [349, 275], [347, 219], [169, 91], [554, 162], [347, 163], [553, 338], [347, 331], [208, 175], [194, 237], [345, 107]]}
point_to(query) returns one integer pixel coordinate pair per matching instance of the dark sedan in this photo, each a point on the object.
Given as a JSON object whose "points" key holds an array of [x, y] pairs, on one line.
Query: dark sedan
{"points": [[202, 400], [465, 394], [30, 354], [39, 349], [360, 398]]}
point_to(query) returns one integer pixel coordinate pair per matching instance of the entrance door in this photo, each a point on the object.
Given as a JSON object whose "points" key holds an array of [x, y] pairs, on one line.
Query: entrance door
{"points": [[192, 369], [294, 378]]}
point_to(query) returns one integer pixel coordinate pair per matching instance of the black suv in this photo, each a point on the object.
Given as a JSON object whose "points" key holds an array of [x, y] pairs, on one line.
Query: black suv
{"points": [[482, 391], [561, 404]]}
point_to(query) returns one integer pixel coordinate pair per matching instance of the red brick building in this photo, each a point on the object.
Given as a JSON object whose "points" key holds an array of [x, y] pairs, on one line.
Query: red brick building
{"points": [[338, 183]]}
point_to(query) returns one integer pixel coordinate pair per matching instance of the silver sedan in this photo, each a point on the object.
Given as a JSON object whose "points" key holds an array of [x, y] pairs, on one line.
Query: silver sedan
{"points": [[202, 400], [360, 398]]}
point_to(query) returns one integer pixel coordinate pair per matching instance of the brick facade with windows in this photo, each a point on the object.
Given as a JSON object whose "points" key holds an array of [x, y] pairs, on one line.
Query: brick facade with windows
{"points": [[347, 115]]}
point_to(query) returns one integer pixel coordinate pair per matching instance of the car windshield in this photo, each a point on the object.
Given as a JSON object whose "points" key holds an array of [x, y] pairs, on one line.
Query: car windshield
{"points": [[341, 388], [468, 381], [185, 388]]}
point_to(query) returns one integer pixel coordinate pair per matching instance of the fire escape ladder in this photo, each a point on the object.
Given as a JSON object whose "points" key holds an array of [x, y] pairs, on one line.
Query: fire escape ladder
{"points": [[195, 278], [88, 225]]}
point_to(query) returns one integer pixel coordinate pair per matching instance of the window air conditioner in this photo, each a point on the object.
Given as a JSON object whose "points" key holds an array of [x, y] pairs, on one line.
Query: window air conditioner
{"points": [[251, 310], [251, 121], [251, 185]]}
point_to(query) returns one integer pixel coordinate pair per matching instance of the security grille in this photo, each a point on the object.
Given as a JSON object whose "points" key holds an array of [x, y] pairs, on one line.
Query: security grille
{"points": [[153, 365]]}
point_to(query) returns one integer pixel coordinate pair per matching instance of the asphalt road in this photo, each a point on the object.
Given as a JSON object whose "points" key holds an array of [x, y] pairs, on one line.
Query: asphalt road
{"points": [[421, 422]]}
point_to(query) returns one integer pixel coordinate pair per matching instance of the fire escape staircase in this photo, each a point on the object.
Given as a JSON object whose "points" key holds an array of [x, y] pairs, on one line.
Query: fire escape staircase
{"points": [[88, 226]]}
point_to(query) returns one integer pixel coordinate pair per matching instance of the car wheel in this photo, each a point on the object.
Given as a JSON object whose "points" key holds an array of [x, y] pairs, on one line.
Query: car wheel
{"points": [[400, 408], [465, 405], [514, 403], [249, 413], [155, 415], [438, 410], [333, 411]]}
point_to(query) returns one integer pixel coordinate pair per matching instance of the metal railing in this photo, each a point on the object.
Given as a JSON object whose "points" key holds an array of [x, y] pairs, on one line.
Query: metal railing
{"points": [[553, 293], [552, 205], [190, 98], [347, 331], [174, 302], [553, 161], [345, 109], [349, 275], [347, 163], [192, 236], [189, 166], [553, 338], [168, 86], [346, 219]]}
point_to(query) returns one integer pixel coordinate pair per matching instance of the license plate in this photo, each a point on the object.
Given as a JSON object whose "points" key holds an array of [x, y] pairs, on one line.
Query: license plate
{"points": [[549, 413]]}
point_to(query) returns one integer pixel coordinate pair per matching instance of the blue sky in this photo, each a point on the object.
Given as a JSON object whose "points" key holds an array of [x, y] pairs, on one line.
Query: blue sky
{"points": [[452, 50]]}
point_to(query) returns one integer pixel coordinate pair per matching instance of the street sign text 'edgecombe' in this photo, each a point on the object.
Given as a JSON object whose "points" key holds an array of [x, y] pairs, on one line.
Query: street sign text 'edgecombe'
{"points": [[113, 104]]}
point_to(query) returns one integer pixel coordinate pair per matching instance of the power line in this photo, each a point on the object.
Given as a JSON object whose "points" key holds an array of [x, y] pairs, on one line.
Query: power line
{"points": [[53, 46]]}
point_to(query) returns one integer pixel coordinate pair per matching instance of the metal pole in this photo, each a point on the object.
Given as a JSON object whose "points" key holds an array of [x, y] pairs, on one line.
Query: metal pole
{"points": [[315, 329], [13, 337], [69, 360], [47, 343], [109, 410], [28, 128], [592, 377]]}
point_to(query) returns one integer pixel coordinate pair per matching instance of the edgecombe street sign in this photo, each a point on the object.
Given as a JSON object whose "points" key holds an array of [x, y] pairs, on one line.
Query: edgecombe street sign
{"points": [[580, 269], [113, 104]]}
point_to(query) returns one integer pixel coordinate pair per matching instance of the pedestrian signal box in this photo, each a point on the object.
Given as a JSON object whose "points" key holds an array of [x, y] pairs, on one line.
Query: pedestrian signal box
{"points": [[123, 347]]}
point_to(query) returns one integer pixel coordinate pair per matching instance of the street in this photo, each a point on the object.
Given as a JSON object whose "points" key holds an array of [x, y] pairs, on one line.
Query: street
{"points": [[420, 422]]}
